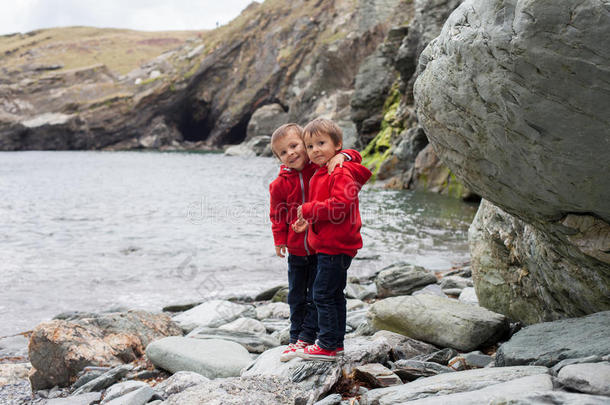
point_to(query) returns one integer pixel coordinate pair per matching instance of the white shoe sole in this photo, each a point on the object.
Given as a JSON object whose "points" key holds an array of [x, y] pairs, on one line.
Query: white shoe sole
{"points": [[317, 357], [284, 357]]}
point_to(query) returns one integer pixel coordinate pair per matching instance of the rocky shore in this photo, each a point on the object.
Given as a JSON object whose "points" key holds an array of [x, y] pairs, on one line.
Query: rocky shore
{"points": [[412, 336]]}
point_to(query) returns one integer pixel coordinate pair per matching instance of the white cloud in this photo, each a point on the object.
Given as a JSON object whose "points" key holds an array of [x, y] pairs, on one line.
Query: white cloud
{"points": [[154, 15]]}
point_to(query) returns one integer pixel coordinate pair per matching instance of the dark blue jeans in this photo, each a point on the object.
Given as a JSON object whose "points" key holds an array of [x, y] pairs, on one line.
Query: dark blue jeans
{"points": [[303, 314], [330, 300]]}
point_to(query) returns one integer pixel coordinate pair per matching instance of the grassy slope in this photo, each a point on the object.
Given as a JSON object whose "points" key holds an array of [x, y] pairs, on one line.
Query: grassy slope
{"points": [[120, 49]]}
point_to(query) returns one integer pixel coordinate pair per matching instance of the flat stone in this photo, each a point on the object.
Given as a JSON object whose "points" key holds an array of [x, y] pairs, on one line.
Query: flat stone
{"points": [[497, 393], [440, 321], [273, 310], [548, 343], [402, 279], [105, 380], [333, 399], [589, 359], [360, 291], [178, 382], [269, 293], [83, 399], [590, 378], [469, 296], [354, 304], [138, 397], [440, 357], [234, 391], [376, 375], [477, 359], [410, 370], [248, 325], [211, 358], [455, 282], [448, 383], [354, 319], [253, 342], [212, 314], [403, 347], [120, 389], [431, 289]]}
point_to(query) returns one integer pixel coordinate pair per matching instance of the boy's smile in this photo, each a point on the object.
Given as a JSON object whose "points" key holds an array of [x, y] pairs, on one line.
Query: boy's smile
{"points": [[291, 151], [321, 148]]}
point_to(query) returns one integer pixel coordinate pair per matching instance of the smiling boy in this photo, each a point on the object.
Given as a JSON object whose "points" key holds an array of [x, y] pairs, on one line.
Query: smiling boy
{"points": [[288, 191]]}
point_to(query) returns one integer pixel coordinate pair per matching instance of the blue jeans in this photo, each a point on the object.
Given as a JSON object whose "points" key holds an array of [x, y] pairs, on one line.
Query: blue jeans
{"points": [[330, 300], [303, 314]]}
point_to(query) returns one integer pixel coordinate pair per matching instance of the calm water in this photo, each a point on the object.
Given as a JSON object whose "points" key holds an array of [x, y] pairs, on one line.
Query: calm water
{"points": [[94, 231]]}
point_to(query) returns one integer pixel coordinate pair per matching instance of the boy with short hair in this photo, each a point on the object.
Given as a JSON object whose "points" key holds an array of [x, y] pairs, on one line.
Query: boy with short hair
{"points": [[334, 232], [288, 191]]}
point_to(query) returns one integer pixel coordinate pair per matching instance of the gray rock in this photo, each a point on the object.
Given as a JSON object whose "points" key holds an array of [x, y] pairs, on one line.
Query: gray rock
{"points": [[477, 359], [448, 383], [431, 289], [282, 336], [212, 314], [497, 393], [88, 375], [469, 296], [83, 399], [589, 359], [245, 325], [178, 382], [281, 295], [551, 342], [333, 399], [590, 378], [273, 310], [355, 304], [237, 391], [410, 370], [120, 389], [269, 293], [265, 120], [139, 396], [455, 282], [539, 282], [318, 377], [257, 146], [441, 357], [376, 375], [211, 358], [253, 342], [440, 321], [273, 325], [453, 292], [180, 307], [360, 291], [403, 347], [105, 380], [356, 318], [516, 99], [402, 279]]}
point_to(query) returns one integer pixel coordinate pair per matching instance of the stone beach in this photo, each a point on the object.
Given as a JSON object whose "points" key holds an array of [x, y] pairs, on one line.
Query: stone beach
{"points": [[220, 363]]}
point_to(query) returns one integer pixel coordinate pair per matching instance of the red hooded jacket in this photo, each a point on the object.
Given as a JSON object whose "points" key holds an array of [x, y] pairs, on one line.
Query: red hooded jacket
{"points": [[333, 209], [288, 191]]}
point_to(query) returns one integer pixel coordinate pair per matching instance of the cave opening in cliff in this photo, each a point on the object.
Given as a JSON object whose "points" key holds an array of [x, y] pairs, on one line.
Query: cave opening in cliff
{"points": [[192, 129], [238, 132]]}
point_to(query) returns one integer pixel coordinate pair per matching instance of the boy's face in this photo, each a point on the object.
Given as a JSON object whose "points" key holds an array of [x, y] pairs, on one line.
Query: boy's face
{"points": [[321, 148], [291, 151]]}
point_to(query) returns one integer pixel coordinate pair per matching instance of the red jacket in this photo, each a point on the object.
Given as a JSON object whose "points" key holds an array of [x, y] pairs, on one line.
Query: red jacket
{"points": [[333, 210], [288, 191]]}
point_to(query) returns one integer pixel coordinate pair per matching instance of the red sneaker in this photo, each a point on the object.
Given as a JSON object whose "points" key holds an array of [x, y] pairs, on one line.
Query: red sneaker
{"points": [[315, 352], [290, 352]]}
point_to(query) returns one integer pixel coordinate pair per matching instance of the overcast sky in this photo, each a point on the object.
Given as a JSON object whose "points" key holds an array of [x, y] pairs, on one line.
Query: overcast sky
{"points": [[151, 15]]}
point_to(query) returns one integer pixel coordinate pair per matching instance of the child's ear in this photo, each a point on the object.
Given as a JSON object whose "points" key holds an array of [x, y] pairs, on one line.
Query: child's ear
{"points": [[339, 146]]}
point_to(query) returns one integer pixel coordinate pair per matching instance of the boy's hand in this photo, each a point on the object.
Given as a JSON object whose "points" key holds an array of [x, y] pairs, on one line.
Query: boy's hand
{"points": [[280, 250], [338, 159], [300, 225]]}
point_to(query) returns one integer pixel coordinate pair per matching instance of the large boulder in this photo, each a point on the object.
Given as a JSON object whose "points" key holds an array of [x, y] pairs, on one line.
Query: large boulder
{"points": [[59, 349], [440, 321], [551, 342], [530, 275], [211, 358], [517, 85], [265, 120]]}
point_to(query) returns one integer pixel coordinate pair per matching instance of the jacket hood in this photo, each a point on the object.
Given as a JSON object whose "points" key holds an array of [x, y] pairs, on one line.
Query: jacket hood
{"points": [[361, 173]]}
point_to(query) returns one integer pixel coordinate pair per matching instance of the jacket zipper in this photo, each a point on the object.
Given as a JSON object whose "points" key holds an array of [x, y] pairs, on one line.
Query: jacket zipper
{"points": [[303, 202]]}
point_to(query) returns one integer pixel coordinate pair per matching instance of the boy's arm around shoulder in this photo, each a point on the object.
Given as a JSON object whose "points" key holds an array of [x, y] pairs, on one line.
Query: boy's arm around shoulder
{"points": [[278, 212], [343, 193], [353, 155]]}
